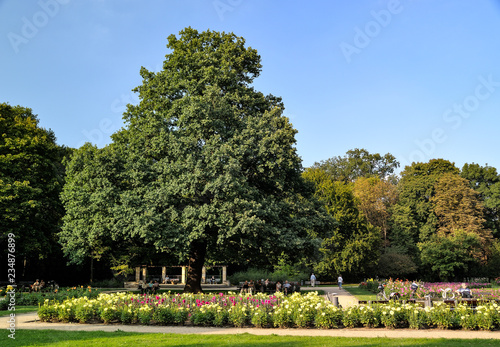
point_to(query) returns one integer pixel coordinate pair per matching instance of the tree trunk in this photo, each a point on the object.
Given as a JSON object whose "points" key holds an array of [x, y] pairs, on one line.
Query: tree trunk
{"points": [[196, 261]]}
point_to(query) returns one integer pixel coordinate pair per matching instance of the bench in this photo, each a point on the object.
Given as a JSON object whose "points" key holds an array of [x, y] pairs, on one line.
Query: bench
{"points": [[270, 288]]}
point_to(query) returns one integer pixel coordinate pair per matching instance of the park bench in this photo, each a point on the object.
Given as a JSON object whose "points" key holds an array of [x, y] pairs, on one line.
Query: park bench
{"points": [[271, 288]]}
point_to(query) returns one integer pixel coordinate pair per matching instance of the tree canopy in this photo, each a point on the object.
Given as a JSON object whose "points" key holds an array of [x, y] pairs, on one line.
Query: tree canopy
{"points": [[359, 163], [31, 178], [352, 244], [210, 169]]}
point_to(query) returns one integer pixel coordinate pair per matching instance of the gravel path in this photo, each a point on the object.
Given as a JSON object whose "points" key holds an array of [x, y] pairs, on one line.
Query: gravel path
{"points": [[31, 321]]}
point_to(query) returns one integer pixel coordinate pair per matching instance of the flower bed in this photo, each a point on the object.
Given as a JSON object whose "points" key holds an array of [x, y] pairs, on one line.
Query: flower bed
{"points": [[300, 311], [35, 298]]}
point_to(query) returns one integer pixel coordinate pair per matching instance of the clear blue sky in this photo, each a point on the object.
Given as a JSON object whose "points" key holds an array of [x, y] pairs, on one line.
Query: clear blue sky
{"points": [[417, 79]]}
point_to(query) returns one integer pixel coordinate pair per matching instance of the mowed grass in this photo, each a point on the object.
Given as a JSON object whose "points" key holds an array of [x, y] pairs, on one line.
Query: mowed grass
{"points": [[360, 293], [19, 310], [99, 338]]}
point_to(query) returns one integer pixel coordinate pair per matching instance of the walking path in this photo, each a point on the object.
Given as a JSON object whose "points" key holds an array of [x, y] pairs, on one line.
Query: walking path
{"points": [[31, 321]]}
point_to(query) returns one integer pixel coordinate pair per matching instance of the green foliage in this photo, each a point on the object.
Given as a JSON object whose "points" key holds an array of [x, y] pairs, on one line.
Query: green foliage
{"points": [[164, 315], [449, 256], [262, 317], [486, 181], [85, 313], [47, 312], [370, 316], [239, 315], [205, 169], [351, 317], [414, 212], [392, 264], [352, 243], [443, 318], [128, 316], [31, 178], [109, 314], [457, 206], [328, 317], [359, 163]]}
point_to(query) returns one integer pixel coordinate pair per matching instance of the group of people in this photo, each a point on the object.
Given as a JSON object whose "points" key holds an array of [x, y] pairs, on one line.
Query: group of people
{"points": [[39, 286], [340, 280], [151, 287], [265, 286]]}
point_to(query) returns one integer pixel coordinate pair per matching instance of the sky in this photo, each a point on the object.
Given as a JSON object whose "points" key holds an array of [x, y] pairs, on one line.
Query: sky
{"points": [[417, 79]]}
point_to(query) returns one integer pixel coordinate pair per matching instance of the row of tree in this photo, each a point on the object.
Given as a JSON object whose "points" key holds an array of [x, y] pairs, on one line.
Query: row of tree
{"points": [[205, 170], [433, 220]]}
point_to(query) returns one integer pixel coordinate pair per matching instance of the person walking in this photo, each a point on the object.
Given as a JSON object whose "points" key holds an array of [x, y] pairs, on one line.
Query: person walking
{"points": [[340, 280], [313, 280]]}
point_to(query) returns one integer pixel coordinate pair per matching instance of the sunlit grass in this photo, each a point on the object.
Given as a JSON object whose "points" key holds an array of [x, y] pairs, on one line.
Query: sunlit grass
{"points": [[120, 338]]}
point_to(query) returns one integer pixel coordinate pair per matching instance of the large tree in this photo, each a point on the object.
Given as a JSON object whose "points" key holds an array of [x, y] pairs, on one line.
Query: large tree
{"points": [[376, 198], [413, 217], [352, 244], [31, 179], [486, 181], [211, 166], [458, 207], [359, 163]]}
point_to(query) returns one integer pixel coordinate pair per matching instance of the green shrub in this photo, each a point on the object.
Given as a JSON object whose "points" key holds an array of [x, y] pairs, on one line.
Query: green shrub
{"points": [[351, 317], [66, 312], [110, 283], [109, 314], [262, 317], [328, 317], [144, 315], [85, 313], [4, 304], [181, 315], [370, 316], [282, 317], [238, 316], [47, 312], [418, 318], [127, 315], [443, 317], [164, 315], [221, 317]]}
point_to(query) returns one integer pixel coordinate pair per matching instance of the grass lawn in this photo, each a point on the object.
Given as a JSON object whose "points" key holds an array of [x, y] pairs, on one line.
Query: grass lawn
{"points": [[99, 338], [19, 310], [360, 293]]}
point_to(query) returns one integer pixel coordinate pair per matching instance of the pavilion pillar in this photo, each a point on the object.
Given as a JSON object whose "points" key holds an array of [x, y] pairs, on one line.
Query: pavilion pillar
{"points": [[204, 275], [163, 273], [224, 275], [137, 274], [183, 278], [144, 273]]}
